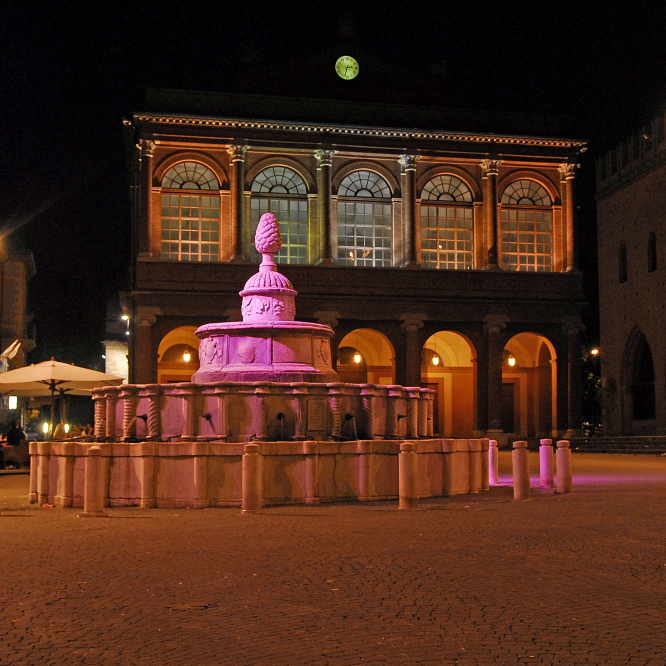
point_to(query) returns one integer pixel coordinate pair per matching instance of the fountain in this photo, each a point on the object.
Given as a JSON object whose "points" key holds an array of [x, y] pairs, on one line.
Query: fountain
{"points": [[265, 394]]}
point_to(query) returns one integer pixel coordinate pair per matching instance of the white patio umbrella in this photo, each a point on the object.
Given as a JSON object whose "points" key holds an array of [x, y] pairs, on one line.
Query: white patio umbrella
{"points": [[42, 379]]}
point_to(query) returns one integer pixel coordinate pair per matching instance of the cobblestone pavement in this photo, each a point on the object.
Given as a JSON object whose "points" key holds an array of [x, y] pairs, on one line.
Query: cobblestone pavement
{"points": [[471, 580]]}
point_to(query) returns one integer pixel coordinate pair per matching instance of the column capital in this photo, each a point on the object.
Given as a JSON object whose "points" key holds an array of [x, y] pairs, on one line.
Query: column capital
{"points": [[490, 167], [146, 315], [324, 157], [408, 162], [412, 321], [568, 170], [238, 153], [573, 325], [147, 147], [494, 323], [328, 317]]}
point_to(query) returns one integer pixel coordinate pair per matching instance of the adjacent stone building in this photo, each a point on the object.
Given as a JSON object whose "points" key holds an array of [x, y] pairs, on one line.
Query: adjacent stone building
{"points": [[631, 205], [442, 256]]}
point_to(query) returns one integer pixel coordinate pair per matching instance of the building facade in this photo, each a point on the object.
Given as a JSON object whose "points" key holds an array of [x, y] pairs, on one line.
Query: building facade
{"points": [[631, 212], [440, 258]]}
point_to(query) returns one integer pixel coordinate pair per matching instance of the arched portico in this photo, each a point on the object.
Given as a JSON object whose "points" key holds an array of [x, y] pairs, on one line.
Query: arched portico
{"points": [[365, 352], [178, 355]]}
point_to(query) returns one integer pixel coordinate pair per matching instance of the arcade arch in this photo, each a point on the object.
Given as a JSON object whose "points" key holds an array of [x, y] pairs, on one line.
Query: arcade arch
{"points": [[172, 360], [529, 386], [447, 367], [376, 364]]}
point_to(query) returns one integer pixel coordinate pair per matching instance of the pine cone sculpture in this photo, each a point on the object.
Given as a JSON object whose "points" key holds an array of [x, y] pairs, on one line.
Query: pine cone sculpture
{"points": [[268, 239]]}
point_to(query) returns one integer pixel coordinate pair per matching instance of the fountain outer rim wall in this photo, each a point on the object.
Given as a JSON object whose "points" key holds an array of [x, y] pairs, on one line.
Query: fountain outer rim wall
{"points": [[296, 326]]}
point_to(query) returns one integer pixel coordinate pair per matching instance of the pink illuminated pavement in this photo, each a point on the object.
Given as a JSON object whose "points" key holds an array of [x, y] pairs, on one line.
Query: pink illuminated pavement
{"points": [[473, 580]]}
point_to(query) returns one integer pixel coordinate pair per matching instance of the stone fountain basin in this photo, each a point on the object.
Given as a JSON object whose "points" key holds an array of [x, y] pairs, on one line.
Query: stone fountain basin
{"points": [[279, 351]]}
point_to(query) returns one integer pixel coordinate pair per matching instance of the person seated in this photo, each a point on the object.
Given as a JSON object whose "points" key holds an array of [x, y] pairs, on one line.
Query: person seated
{"points": [[15, 434]]}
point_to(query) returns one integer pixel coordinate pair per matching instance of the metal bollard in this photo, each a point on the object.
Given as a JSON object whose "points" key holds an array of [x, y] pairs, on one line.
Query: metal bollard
{"points": [[93, 494], [251, 478], [546, 468], [564, 470], [521, 471], [407, 476], [493, 462]]}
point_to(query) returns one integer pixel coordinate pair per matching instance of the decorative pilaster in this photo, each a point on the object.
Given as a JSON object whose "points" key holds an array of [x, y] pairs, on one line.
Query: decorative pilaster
{"points": [[567, 174], [408, 164], [324, 165], [494, 324], [238, 155], [490, 170], [146, 151]]}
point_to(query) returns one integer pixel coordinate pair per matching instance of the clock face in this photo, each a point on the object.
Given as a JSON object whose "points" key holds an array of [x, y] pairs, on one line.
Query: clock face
{"points": [[346, 67]]}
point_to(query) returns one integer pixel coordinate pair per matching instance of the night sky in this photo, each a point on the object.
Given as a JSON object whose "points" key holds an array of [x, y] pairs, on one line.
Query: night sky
{"points": [[68, 76]]}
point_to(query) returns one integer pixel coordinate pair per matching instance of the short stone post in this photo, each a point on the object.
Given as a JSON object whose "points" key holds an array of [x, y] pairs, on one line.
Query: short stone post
{"points": [[93, 495], [407, 479], [546, 468], [148, 451], [564, 470], [493, 462], [311, 451], [521, 471], [251, 478], [65, 483]]}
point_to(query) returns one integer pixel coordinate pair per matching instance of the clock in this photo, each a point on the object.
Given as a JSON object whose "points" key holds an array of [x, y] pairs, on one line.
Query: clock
{"points": [[346, 67]]}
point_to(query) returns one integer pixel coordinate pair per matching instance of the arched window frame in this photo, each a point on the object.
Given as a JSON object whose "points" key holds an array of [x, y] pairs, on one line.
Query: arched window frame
{"points": [[622, 263], [652, 253], [189, 212], [283, 191], [447, 223], [365, 219], [642, 387], [527, 226]]}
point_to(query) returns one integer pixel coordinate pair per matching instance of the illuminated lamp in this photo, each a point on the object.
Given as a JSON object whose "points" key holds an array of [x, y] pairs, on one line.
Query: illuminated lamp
{"points": [[125, 317], [435, 359], [13, 402], [66, 427], [594, 351], [357, 358], [187, 356], [45, 427], [511, 360]]}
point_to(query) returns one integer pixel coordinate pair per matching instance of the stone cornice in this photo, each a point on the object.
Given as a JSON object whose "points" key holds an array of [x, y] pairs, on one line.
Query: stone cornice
{"points": [[630, 174], [355, 130]]}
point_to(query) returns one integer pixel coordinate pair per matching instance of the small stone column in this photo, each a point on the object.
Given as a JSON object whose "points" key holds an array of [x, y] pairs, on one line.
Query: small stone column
{"points": [[148, 451], [413, 393], [188, 393], [490, 170], [521, 471], [154, 393], [99, 398], [300, 393], [366, 485], [407, 476], [311, 451], [252, 495], [261, 392], [394, 392], [368, 425], [44, 458], [335, 392], [111, 399], [493, 462], [423, 414], [222, 393], [567, 173], [237, 156], [546, 471], [65, 486], [408, 164], [564, 468], [93, 496], [128, 395], [430, 421], [324, 164]]}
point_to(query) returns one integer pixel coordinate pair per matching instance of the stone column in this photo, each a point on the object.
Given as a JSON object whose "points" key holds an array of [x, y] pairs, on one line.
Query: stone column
{"points": [[300, 393], [567, 173], [99, 398], [564, 471], [546, 471], [93, 495], [65, 485], [368, 423], [154, 393], [494, 324], [408, 164], [394, 392], [493, 463], [238, 154], [336, 410], [521, 471], [423, 414], [222, 393], [261, 392], [141, 369], [430, 419], [411, 324], [324, 164], [188, 394], [573, 327], [407, 476], [146, 151], [413, 394], [490, 169], [128, 395], [111, 399]]}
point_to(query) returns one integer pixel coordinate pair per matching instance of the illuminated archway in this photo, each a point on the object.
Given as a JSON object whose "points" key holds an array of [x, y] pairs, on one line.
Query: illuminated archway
{"points": [[529, 386], [178, 355], [374, 362], [447, 367]]}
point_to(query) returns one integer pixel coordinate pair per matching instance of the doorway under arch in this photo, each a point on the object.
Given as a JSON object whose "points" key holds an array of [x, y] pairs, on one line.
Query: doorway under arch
{"points": [[366, 356], [178, 355], [529, 386], [447, 367], [639, 387]]}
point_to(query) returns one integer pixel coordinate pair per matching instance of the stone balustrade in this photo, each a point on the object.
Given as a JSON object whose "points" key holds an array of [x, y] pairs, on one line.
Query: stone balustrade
{"points": [[201, 474], [262, 411]]}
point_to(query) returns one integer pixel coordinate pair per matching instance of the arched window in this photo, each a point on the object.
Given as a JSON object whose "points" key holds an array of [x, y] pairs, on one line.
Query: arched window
{"points": [[190, 223], [643, 385], [622, 263], [365, 226], [652, 253], [446, 223], [527, 227], [282, 191]]}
